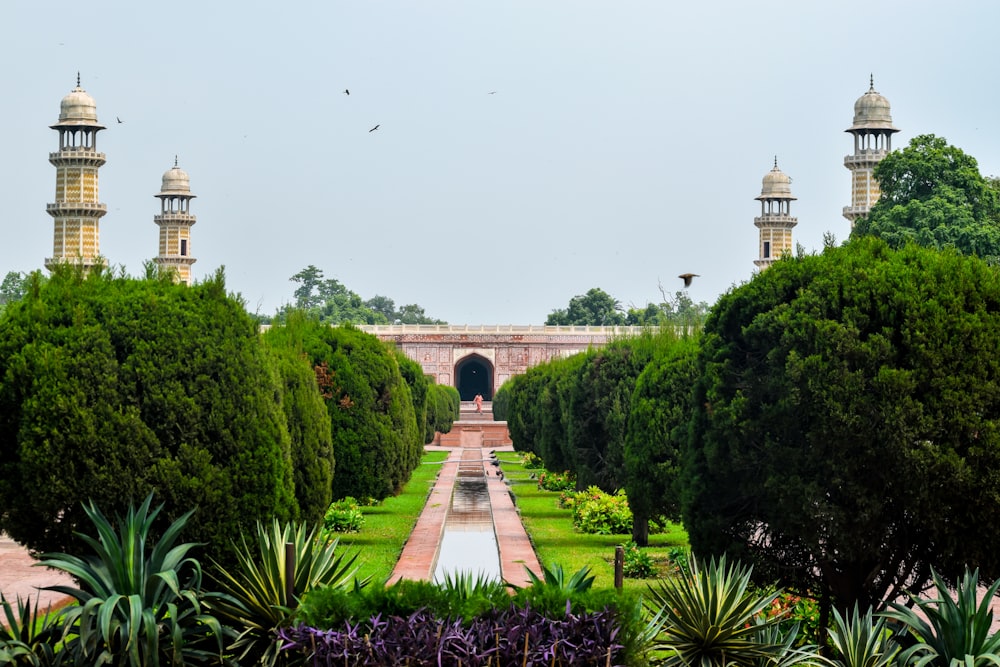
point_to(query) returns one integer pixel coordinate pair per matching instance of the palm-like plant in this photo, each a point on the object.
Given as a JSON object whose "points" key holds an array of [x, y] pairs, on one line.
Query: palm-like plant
{"points": [[138, 605], [862, 641], [25, 637], [554, 577], [955, 630], [255, 595], [711, 618]]}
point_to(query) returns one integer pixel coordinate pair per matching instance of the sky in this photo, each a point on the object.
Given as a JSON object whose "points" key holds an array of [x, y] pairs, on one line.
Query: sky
{"points": [[526, 151]]}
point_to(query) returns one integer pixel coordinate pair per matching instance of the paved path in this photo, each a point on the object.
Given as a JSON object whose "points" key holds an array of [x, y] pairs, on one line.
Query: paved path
{"points": [[20, 576], [420, 551]]}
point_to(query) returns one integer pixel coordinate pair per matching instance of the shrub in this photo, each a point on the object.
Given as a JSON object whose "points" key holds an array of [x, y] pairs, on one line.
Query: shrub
{"points": [[27, 638], [344, 516], [552, 481], [638, 564], [531, 461], [596, 512]]}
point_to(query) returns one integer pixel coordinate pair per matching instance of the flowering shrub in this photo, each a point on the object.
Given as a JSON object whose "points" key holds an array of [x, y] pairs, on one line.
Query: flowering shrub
{"points": [[796, 608], [555, 481], [595, 511], [638, 564], [567, 499], [678, 559], [344, 516], [531, 461]]}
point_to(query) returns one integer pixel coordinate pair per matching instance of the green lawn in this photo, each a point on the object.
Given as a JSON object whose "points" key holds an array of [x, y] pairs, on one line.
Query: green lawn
{"points": [[389, 524], [556, 541]]}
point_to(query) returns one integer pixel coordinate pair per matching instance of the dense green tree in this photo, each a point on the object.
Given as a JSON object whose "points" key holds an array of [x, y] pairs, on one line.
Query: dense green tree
{"points": [[12, 288], [595, 308], [413, 375], [659, 418], [934, 195], [846, 434], [443, 408], [384, 306], [371, 410], [111, 388], [676, 310], [599, 404], [308, 422]]}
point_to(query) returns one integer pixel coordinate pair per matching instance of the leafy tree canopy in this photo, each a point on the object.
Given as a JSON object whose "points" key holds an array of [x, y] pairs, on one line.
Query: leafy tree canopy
{"points": [[846, 434], [595, 308], [676, 310], [329, 300], [934, 195]]}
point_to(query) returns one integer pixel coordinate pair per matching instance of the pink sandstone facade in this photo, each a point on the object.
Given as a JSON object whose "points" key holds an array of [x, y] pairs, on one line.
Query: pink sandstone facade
{"points": [[479, 359]]}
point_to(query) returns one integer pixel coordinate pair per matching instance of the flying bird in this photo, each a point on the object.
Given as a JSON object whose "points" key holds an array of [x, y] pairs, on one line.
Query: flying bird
{"points": [[492, 92], [118, 119], [373, 129], [347, 91], [687, 278]]}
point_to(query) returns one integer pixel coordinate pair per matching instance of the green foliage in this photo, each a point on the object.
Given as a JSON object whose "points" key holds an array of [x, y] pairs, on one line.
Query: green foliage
{"points": [[659, 417], [934, 195], [113, 387], [532, 461], [371, 410], [599, 405], [638, 564], [27, 638], [344, 516], [328, 300], [138, 604], [12, 288], [861, 641], [443, 407], [595, 308], [712, 617], [847, 407], [597, 512], [413, 375], [255, 593], [554, 578], [556, 481], [952, 628], [673, 311], [308, 422]]}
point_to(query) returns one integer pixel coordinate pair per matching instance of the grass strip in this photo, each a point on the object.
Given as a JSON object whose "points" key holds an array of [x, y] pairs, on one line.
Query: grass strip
{"points": [[389, 524], [556, 541]]}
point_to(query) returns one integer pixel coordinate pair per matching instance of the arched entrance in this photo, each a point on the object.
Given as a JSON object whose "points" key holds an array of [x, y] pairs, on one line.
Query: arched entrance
{"points": [[474, 375]]}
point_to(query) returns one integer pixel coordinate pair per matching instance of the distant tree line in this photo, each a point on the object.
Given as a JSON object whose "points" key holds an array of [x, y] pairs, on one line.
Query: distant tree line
{"points": [[598, 308], [112, 387]]}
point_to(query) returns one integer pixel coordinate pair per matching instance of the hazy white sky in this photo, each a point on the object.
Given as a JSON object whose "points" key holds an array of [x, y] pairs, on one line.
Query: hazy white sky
{"points": [[624, 144]]}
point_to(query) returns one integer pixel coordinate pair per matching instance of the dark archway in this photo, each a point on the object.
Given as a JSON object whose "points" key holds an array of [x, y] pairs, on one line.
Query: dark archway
{"points": [[474, 375]]}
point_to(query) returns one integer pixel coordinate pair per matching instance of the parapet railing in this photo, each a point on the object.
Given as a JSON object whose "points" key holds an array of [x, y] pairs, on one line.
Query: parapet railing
{"points": [[394, 329]]}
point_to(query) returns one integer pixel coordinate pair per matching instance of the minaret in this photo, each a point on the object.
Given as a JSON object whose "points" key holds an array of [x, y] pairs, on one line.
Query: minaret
{"points": [[872, 130], [76, 211], [175, 221], [775, 223]]}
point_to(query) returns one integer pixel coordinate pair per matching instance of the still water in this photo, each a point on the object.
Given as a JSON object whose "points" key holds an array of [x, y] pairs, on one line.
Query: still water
{"points": [[469, 542]]}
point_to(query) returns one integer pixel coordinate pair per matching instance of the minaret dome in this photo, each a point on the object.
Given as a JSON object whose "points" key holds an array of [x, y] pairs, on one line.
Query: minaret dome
{"points": [[775, 221]]}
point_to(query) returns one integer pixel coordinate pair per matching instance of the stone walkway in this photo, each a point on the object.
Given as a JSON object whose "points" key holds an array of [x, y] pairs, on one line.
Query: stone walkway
{"points": [[420, 551], [21, 576]]}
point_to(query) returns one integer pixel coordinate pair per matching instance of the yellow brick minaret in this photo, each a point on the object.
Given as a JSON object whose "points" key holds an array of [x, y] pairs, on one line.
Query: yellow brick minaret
{"points": [[175, 221], [76, 211], [775, 221], [872, 130]]}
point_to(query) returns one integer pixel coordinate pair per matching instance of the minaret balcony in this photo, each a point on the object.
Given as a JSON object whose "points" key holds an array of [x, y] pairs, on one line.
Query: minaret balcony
{"points": [[868, 158], [175, 259], [77, 155], [174, 219], [854, 212], [82, 208], [778, 221]]}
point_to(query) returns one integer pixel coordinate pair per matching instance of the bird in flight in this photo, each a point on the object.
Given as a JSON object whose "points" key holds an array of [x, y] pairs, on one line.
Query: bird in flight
{"points": [[687, 278], [119, 119], [347, 91], [492, 92], [373, 129]]}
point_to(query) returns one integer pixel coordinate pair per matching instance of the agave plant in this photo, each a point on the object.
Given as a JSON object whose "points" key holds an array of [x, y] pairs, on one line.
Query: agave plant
{"points": [[955, 630], [255, 595], [711, 618], [138, 604], [25, 637], [861, 641], [554, 577]]}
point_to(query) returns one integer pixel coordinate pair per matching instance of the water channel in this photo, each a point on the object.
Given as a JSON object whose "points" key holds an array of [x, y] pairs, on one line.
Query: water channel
{"points": [[469, 542]]}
